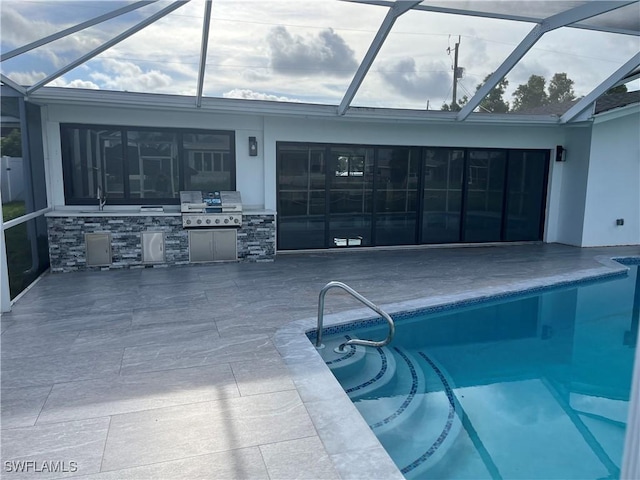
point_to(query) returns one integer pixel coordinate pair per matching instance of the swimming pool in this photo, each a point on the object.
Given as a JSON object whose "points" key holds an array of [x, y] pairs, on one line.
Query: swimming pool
{"points": [[531, 386]]}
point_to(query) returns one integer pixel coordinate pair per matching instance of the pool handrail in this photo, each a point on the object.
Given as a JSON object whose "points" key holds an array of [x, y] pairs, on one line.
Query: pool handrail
{"points": [[365, 301]]}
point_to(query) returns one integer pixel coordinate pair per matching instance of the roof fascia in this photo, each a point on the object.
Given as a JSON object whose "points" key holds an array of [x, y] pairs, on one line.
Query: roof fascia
{"points": [[81, 26], [396, 9], [554, 22], [127, 100], [610, 82], [105, 46], [632, 108], [206, 22]]}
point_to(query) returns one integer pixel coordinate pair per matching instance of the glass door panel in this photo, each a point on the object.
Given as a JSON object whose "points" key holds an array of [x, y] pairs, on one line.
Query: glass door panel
{"points": [[396, 196], [350, 197], [485, 195], [442, 195], [301, 197], [525, 195]]}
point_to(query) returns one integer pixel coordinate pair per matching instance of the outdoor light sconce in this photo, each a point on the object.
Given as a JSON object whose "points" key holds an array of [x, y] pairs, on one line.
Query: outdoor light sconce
{"points": [[561, 154], [253, 147]]}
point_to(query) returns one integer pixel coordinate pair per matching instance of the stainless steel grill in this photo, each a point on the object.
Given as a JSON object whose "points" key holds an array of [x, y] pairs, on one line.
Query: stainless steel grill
{"points": [[210, 209]]}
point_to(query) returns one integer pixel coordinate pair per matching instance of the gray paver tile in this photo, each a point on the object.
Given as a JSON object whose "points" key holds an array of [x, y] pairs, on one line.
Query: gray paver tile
{"points": [[195, 429]]}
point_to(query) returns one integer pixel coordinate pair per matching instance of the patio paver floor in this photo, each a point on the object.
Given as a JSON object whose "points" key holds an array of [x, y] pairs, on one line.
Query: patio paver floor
{"points": [[174, 373]]}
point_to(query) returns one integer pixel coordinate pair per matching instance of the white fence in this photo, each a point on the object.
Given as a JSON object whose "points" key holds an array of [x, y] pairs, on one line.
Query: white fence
{"points": [[11, 179]]}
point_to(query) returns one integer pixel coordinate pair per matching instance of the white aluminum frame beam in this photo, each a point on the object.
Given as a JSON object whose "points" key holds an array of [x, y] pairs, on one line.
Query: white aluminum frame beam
{"points": [[398, 8], [105, 46], [81, 26], [203, 50], [582, 12], [592, 96], [10, 83]]}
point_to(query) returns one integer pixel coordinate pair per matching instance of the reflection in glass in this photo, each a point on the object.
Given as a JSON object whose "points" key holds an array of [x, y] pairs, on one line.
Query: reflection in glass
{"points": [[396, 196], [301, 197], [485, 195], [208, 162], [351, 196], [442, 202], [27, 253]]}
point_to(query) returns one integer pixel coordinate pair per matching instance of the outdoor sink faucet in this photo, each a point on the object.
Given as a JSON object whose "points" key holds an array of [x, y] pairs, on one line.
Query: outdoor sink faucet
{"points": [[101, 199]]}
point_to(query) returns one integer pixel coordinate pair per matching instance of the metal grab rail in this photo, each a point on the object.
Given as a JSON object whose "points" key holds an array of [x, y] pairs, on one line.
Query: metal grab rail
{"points": [[357, 296]]}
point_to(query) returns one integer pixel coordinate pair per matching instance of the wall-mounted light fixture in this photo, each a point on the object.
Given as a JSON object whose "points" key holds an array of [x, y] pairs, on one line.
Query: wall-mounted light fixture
{"points": [[561, 154], [253, 147]]}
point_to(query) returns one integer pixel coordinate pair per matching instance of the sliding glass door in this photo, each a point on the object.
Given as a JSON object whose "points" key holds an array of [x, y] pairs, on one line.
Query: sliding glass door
{"points": [[356, 196]]}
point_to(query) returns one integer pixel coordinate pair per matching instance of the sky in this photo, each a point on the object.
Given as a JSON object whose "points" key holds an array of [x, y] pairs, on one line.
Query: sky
{"points": [[299, 51]]}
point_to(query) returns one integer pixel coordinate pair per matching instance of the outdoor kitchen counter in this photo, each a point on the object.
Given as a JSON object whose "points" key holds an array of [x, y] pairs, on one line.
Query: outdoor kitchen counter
{"points": [[125, 211], [68, 228], [128, 211]]}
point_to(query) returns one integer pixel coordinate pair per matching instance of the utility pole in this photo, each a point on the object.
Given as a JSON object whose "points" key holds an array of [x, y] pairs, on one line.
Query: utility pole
{"points": [[455, 74]]}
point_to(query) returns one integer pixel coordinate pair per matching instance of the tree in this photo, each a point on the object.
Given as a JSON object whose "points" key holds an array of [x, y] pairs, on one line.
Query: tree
{"points": [[531, 94], [11, 145], [451, 107], [493, 102], [561, 89], [618, 89]]}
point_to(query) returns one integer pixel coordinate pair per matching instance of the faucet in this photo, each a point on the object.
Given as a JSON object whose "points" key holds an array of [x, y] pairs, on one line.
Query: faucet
{"points": [[102, 200]]}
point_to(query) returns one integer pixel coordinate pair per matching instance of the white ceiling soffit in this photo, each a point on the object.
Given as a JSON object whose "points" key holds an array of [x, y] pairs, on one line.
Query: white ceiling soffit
{"points": [[625, 20]]}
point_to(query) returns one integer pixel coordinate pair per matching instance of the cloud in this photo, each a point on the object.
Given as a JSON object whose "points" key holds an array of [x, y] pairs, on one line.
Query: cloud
{"points": [[251, 95], [77, 83], [121, 75], [327, 53], [405, 78], [26, 78]]}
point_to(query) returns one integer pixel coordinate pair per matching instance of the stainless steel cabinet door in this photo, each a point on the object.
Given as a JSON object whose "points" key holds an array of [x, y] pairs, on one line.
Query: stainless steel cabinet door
{"points": [[153, 247], [212, 245], [98, 248]]}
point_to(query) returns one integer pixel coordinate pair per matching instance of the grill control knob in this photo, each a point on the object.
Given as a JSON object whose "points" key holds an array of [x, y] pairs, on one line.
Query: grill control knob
{"points": [[188, 222], [217, 220], [208, 220], [237, 221], [199, 221], [226, 220]]}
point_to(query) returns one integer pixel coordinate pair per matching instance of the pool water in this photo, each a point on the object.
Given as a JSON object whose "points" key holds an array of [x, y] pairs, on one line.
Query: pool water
{"points": [[530, 387]]}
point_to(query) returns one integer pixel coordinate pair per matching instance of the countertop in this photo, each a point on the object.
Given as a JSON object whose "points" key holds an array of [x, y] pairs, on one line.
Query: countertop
{"points": [[131, 211]]}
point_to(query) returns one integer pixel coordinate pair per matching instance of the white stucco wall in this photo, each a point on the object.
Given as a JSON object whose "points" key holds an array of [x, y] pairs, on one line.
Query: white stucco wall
{"points": [[570, 186], [613, 184], [256, 176]]}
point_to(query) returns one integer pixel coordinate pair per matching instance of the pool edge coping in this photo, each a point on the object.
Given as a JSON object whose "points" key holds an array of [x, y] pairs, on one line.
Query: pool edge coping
{"points": [[347, 438]]}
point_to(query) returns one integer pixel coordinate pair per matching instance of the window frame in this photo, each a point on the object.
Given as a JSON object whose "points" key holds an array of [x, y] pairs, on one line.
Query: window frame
{"points": [[127, 199]]}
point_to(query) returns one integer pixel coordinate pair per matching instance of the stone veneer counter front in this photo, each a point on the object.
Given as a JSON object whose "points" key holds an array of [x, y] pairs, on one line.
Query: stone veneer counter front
{"points": [[256, 239]]}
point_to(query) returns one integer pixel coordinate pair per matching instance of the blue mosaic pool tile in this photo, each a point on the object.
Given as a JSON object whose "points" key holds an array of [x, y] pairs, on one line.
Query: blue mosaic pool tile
{"points": [[410, 397], [378, 376], [628, 260], [447, 427]]}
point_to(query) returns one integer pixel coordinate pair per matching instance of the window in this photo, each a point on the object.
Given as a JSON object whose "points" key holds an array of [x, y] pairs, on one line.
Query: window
{"points": [[143, 165]]}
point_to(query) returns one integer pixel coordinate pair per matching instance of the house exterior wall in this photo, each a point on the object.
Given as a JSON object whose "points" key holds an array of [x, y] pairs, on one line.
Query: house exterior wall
{"points": [[570, 177], [256, 176], [613, 184]]}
